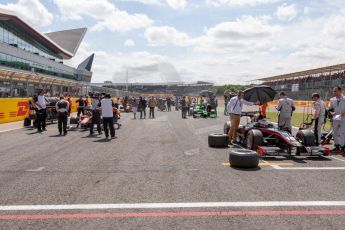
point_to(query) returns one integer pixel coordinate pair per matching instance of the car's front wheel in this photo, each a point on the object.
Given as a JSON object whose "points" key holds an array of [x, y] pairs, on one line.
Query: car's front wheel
{"points": [[254, 139]]}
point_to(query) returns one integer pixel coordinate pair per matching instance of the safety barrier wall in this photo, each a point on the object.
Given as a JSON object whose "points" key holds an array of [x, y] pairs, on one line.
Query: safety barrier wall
{"points": [[300, 103], [16, 109]]}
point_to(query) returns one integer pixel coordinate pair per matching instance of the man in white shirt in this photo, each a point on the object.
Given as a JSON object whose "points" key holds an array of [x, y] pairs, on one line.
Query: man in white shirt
{"points": [[107, 114], [41, 109], [337, 110], [234, 108], [285, 106]]}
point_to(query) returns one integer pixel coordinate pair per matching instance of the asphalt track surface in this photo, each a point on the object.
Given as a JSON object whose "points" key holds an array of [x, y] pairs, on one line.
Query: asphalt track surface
{"points": [[160, 170]]}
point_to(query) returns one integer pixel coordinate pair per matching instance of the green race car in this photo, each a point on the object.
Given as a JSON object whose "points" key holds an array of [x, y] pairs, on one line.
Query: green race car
{"points": [[204, 111]]}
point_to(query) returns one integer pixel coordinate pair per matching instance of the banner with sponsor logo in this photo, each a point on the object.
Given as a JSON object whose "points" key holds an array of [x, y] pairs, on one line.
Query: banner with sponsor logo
{"points": [[16, 109]]}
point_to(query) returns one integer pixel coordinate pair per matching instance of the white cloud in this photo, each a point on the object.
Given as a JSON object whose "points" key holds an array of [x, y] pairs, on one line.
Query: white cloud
{"points": [[166, 35], [218, 3], [129, 43], [246, 32], [148, 2], [32, 11], [107, 15], [286, 12], [177, 4]]}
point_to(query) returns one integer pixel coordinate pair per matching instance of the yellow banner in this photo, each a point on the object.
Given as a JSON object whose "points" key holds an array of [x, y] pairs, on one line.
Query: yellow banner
{"points": [[16, 109]]}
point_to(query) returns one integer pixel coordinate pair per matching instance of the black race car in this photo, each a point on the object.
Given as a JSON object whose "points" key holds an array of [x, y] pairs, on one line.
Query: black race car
{"points": [[263, 137]]}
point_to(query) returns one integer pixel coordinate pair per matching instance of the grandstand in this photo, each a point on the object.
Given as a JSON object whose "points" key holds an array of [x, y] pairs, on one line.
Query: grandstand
{"points": [[301, 85], [176, 88]]}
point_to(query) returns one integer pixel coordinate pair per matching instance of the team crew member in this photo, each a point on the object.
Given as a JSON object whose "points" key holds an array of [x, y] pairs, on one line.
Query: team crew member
{"points": [[286, 106], [234, 108], [142, 107], [62, 107], [337, 110], [318, 116], [184, 107], [81, 105], [152, 105], [107, 114], [41, 106], [96, 114]]}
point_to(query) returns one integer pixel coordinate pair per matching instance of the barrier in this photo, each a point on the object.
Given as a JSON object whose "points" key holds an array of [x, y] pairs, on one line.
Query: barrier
{"points": [[16, 109], [300, 103]]}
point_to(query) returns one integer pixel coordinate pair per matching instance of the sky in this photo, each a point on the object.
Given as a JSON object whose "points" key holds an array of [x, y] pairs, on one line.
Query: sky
{"points": [[219, 41]]}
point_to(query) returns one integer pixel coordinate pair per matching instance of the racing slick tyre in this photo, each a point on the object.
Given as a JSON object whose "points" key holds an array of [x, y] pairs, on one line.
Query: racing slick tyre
{"points": [[218, 140], [27, 122], [306, 137], [243, 158], [227, 127], [254, 139], [73, 120]]}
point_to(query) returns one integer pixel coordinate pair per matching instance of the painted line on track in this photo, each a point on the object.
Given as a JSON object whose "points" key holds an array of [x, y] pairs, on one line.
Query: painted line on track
{"points": [[9, 130], [310, 168], [267, 164], [336, 158], [175, 214], [172, 205]]}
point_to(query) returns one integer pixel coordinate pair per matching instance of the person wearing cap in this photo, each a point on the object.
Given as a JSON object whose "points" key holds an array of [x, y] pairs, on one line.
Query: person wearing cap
{"points": [[107, 114], [337, 110], [285, 106], [318, 116], [62, 107], [234, 108], [40, 104]]}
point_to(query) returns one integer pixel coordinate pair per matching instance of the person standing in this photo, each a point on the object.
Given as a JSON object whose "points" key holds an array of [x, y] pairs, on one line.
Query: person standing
{"points": [[62, 107], [107, 114], [184, 107], [142, 107], [134, 107], [285, 106], [234, 108], [264, 109], [70, 105], [40, 104], [96, 114], [81, 105], [152, 105], [337, 110], [318, 116], [169, 102]]}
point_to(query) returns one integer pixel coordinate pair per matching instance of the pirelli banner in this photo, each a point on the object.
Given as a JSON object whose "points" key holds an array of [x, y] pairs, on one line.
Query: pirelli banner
{"points": [[16, 109], [300, 103]]}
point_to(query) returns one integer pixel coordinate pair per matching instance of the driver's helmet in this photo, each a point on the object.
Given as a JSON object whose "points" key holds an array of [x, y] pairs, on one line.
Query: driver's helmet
{"points": [[263, 123]]}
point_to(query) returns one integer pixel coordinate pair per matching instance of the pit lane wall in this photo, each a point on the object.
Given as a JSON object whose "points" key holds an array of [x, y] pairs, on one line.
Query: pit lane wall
{"points": [[16, 109], [300, 103]]}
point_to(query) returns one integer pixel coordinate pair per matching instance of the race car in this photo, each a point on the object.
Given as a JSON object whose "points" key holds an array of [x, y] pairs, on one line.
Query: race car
{"points": [[201, 110], [262, 136]]}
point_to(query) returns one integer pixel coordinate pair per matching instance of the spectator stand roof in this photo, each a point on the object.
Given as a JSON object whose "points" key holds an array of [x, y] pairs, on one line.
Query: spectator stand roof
{"points": [[328, 69]]}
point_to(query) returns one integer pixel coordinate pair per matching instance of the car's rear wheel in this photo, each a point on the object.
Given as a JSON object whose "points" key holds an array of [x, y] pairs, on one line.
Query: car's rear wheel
{"points": [[254, 139], [306, 138]]}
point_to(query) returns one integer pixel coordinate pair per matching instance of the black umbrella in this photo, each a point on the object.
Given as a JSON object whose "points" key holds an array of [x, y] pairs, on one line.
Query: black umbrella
{"points": [[261, 93], [206, 93]]}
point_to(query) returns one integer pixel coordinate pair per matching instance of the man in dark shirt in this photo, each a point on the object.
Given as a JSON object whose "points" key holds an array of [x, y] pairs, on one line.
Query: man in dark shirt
{"points": [[81, 105], [62, 107], [142, 107]]}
